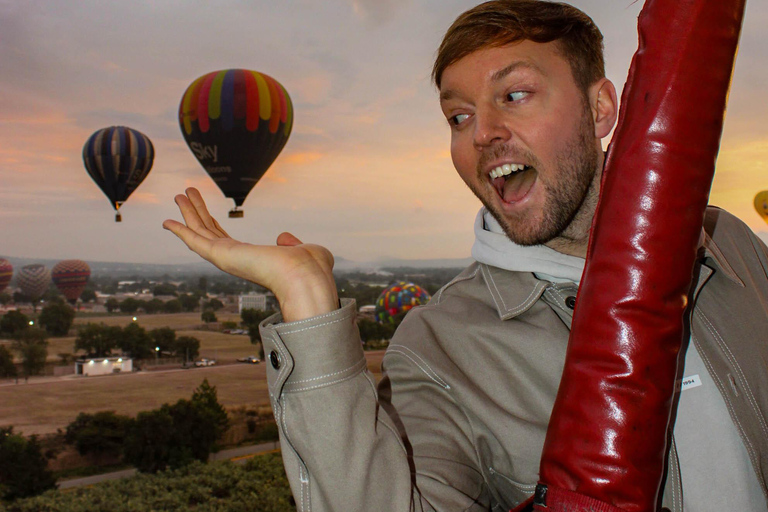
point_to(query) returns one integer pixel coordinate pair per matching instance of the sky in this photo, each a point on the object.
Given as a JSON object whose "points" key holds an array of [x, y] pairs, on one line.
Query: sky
{"points": [[366, 171]]}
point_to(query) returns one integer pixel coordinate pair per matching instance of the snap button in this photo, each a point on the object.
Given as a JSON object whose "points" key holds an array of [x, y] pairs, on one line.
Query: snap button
{"points": [[570, 301], [275, 360]]}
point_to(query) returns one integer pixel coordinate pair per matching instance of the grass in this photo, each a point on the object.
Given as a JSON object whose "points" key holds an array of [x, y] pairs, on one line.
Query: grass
{"points": [[45, 404]]}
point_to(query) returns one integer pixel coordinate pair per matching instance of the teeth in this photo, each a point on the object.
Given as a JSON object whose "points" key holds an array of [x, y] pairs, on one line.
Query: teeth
{"points": [[505, 170]]}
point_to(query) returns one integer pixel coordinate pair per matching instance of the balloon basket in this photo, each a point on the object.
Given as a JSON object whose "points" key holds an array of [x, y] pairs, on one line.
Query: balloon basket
{"points": [[118, 217], [236, 214]]}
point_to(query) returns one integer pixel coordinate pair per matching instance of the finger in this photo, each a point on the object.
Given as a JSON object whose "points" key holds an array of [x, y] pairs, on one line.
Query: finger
{"points": [[287, 239], [196, 242], [192, 218], [202, 210], [221, 229]]}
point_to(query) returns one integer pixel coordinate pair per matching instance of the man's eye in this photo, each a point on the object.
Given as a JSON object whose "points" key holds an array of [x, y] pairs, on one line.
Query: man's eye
{"points": [[516, 96], [458, 119]]}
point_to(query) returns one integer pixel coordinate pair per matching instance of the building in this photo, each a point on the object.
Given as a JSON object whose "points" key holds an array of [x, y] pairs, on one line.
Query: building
{"points": [[259, 301], [103, 366]]}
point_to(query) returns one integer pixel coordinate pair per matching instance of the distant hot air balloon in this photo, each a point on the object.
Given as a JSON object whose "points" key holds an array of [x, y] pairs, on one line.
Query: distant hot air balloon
{"points": [[70, 277], [761, 204], [6, 272], [399, 298], [236, 122], [33, 280], [118, 159]]}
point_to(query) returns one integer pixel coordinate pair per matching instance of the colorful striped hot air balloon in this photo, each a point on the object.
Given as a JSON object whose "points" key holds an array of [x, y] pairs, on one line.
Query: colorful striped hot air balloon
{"points": [[118, 159], [399, 298], [761, 204], [70, 277], [33, 280], [236, 122], [6, 272]]}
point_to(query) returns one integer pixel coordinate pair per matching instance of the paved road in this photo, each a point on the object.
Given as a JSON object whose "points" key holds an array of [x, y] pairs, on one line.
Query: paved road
{"points": [[238, 455]]}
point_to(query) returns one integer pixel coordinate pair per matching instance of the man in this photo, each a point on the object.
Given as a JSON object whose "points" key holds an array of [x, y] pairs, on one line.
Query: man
{"points": [[459, 419]]}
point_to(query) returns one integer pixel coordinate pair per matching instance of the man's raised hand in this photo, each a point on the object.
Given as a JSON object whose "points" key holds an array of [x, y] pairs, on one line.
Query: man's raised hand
{"points": [[300, 275]]}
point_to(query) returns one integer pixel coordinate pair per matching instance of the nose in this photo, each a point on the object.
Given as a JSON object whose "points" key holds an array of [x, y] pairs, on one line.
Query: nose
{"points": [[490, 128]]}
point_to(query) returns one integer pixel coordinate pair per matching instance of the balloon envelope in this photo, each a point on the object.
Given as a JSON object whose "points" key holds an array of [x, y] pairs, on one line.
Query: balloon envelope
{"points": [[761, 204], [398, 298], [118, 159], [236, 122], [6, 272], [70, 277], [33, 280]]}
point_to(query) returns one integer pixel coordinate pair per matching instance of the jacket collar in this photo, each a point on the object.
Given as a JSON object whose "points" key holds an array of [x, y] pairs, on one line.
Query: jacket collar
{"points": [[514, 292]]}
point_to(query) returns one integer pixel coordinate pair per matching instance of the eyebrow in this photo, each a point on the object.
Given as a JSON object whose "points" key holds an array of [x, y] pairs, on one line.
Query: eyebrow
{"points": [[498, 75]]}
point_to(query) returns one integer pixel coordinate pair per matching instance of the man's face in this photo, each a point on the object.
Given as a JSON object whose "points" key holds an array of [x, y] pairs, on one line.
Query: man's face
{"points": [[523, 139]]}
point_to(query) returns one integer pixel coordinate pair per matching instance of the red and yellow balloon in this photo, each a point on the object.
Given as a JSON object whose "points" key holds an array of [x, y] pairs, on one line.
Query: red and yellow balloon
{"points": [[236, 122]]}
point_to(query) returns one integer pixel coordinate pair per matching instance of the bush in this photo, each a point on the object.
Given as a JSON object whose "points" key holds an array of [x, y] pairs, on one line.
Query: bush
{"points": [[23, 466], [102, 433], [259, 485]]}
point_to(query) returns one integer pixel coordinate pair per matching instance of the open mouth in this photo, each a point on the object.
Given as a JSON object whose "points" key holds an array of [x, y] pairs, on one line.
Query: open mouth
{"points": [[512, 181]]}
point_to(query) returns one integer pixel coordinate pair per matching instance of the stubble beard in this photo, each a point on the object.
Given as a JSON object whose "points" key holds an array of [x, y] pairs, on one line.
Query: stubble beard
{"points": [[570, 195]]}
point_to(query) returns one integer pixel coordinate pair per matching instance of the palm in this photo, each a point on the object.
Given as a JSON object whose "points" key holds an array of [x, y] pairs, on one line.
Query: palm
{"points": [[300, 275]]}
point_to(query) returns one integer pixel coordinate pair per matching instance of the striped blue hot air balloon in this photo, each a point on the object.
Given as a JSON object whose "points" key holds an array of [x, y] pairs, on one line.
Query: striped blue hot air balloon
{"points": [[118, 159]]}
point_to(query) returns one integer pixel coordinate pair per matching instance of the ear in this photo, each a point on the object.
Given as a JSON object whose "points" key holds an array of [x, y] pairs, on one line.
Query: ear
{"points": [[604, 106]]}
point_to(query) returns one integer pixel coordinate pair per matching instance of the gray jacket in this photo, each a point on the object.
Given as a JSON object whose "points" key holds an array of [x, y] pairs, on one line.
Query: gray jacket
{"points": [[459, 418]]}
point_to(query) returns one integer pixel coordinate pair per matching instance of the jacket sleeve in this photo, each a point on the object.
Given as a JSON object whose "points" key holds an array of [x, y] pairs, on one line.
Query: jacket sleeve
{"points": [[347, 446]]}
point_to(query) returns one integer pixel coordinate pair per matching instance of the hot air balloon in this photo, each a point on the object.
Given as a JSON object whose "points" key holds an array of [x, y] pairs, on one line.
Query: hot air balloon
{"points": [[761, 204], [118, 159], [398, 298], [33, 280], [236, 122], [70, 277], [6, 272]]}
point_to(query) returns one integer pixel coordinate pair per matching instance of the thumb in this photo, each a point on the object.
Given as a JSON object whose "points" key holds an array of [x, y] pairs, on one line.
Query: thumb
{"points": [[287, 239]]}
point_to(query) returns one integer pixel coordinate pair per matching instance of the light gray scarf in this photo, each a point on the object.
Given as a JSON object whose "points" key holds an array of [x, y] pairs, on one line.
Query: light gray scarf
{"points": [[492, 247]]}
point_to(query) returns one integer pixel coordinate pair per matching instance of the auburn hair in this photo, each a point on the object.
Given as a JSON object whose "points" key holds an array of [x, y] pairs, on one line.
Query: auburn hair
{"points": [[501, 22]]}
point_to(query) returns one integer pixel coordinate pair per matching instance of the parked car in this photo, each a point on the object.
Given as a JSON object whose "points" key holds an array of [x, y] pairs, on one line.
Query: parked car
{"points": [[205, 362], [249, 359]]}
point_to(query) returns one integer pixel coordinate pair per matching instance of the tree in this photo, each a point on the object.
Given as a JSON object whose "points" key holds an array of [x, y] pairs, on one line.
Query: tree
{"points": [[164, 289], [153, 306], [7, 366], [24, 468], [202, 285], [88, 295], [5, 299], [136, 342], [112, 305], [214, 304], [129, 305], [98, 340], [57, 318], [102, 433], [208, 316], [189, 302], [32, 345], [176, 435], [165, 338], [172, 306], [148, 440], [13, 322], [187, 347]]}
